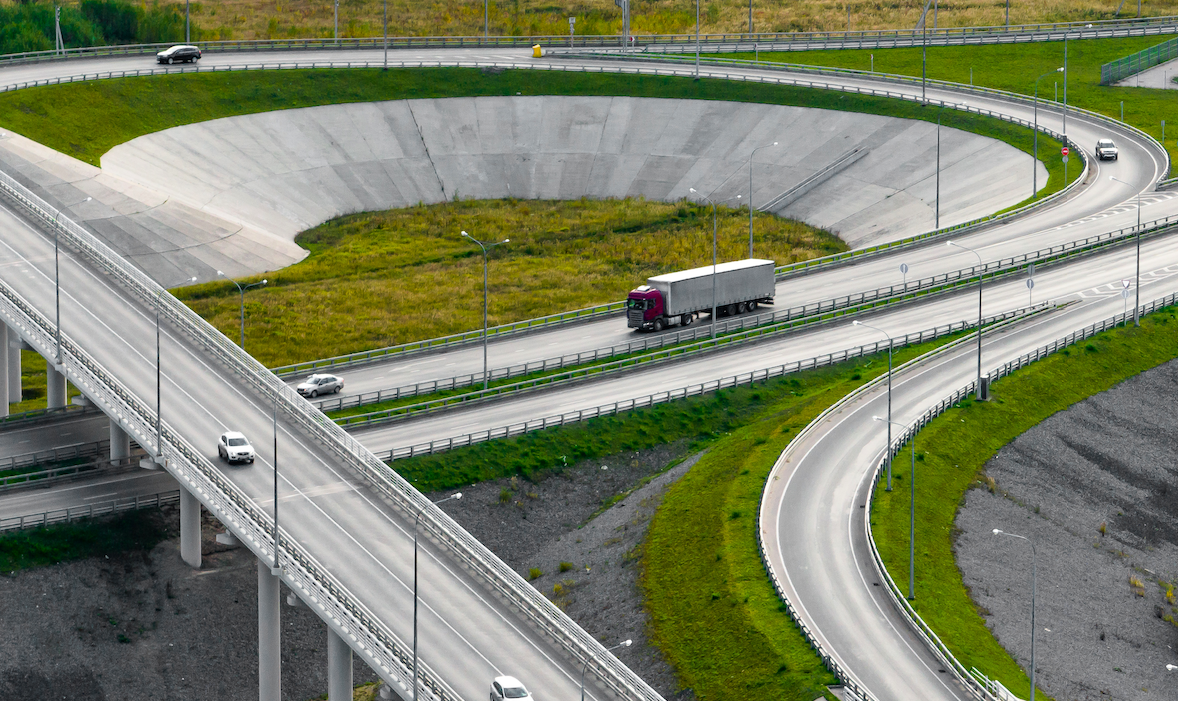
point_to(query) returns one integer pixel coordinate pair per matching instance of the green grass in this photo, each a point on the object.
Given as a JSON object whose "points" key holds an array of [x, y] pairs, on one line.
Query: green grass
{"points": [[953, 451], [1015, 67], [137, 530], [32, 383], [714, 614], [383, 278]]}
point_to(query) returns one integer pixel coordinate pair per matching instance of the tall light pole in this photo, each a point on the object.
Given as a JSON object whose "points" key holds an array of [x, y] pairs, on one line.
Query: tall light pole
{"points": [[1034, 586], [978, 393], [709, 201], [1035, 161], [57, 283], [937, 210], [911, 513], [336, 37], [754, 153], [159, 438], [277, 536], [697, 39], [585, 667], [242, 291], [386, 35], [1137, 283], [416, 519], [486, 246], [187, 38], [889, 419], [486, 21]]}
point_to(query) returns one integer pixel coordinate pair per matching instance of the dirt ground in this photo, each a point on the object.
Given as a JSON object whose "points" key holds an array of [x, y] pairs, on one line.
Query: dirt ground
{"points": [[143, 626], [1094, 486]]}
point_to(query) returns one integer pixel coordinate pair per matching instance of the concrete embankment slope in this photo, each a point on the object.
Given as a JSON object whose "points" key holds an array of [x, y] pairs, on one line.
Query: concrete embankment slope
{"points": [[167, 238], [283, 172]]}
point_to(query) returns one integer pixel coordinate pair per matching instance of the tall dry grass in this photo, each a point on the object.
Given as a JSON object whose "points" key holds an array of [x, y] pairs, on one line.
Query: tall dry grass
{"points": [[382, 278], [277, 19]]}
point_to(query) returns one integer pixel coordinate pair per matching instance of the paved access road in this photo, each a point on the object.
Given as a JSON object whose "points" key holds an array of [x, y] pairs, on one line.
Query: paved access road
{"points": [[333, 516]]}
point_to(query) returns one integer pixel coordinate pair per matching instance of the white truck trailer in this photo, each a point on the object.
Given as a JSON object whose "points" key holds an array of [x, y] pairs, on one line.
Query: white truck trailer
{"points": [[678, 297]]}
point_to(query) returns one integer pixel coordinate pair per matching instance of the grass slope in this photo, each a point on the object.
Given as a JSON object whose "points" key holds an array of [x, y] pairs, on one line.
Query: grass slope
{"points": [[137, 530], [714, 614], [952, 453], [1015, 67], [382, 278]]}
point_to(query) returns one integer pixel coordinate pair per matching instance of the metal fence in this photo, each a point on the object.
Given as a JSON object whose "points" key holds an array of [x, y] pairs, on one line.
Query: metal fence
{"points": [[971, 681], [74, 513], [53, 475], [53, 455], [1122, 68]]}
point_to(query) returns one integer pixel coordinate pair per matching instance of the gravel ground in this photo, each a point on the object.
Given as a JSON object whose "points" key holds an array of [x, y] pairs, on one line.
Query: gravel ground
{"points": [[1106, 465], [144, 626]]}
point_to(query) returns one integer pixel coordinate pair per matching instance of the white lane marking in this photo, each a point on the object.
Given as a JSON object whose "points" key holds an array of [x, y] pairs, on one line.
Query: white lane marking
{"points": [[232, 388], [100, 496]]}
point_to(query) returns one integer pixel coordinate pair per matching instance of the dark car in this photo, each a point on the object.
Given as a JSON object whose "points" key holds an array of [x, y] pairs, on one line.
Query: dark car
{"points": [[179, 54]]}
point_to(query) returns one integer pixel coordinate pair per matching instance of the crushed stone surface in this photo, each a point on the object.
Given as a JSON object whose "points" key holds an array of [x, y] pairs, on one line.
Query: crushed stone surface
{"points": [[1105, 628], [144, 626]]}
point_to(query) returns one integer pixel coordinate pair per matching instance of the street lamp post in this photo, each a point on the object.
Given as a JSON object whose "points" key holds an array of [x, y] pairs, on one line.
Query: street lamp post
{"points": [[585, 667], [754, 153], [386, 35], [159, 442], [697, 39], [1034, 586], [978, 391], [1137, 284], [911, 513], [416, 519], [242, 290], [889, 419], [57, 283], [486, 247], [1035, 160], [709, 201]]}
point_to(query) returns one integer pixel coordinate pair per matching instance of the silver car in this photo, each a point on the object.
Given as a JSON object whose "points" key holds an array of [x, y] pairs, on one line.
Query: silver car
{"points": [[233, 447], [316, 385], [504, 688]]}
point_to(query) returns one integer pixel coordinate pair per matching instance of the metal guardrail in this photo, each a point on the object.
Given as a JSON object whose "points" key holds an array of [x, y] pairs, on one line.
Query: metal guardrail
{"points": [[53, 475], [831, 663], [796, 41], [386, 653], [404, 349], [747, 378], [53, 455], [1122, 68], [931, 639], [805, 314], [75, 513], [35, 416]]}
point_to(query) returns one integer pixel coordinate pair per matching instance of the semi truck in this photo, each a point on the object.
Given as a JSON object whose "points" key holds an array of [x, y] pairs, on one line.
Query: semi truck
{"points": [[676, 298]]}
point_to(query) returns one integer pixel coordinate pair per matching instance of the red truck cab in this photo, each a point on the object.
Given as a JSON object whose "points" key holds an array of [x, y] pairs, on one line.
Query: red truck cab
{"points": [[644, 307]]}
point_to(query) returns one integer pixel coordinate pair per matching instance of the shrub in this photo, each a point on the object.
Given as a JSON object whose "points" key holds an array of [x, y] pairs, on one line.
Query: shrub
{"points": [[566, 566], [534, 573]]}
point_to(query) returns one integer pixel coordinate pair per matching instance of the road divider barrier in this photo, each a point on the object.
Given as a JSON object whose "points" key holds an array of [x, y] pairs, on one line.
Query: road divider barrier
{"points": [[76, 513]]}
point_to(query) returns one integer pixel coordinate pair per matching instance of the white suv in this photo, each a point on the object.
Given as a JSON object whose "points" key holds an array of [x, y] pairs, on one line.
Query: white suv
{"points": [[233, 447], [504, 688], [1106, 150]]}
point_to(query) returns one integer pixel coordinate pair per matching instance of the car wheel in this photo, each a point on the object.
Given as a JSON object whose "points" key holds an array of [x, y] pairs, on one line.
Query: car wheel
{"points": [[659, 325], [169, 61], [314, 393], [339, 389]]}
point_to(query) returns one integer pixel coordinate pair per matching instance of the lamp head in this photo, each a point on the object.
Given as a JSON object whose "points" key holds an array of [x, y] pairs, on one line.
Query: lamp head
{"points": [[692, 190], [1059, 70], [878, 418], [506, 240], [457, 495], [466, 234], [192, 279], [220, 274], [264, 281], [774, 143], [856, 322], [997, 532], [626, 643]]}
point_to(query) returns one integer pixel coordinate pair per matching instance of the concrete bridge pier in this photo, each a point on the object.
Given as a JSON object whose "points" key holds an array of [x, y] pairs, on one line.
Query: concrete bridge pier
{"points": [[120, 442], [189, 527], [270, 634], [13, 344], [339, 668], [54, 386]]}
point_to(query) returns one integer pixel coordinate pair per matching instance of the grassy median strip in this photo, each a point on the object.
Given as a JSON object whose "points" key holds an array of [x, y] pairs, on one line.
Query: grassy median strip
{"points": [[1015, 67], [48, 545], [951, 455], [714, 613]]}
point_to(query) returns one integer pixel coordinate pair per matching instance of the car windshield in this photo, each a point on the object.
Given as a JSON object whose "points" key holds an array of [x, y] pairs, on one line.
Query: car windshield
{"points": [[1105, 143], [638, 303], [515, 693], [237, 441]]}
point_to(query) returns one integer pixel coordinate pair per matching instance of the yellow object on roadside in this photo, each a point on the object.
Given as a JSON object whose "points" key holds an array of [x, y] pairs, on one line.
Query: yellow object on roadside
{"points": [[536, 51]]}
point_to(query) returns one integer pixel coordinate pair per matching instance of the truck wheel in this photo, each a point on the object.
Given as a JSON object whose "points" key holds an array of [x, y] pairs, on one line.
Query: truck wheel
{"points": [[753, 306], [686, 320], [731, 310], [659, 325]]}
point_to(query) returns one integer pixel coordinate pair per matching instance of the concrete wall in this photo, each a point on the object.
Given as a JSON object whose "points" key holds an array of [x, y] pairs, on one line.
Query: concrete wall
{"points": [[285, 171]]}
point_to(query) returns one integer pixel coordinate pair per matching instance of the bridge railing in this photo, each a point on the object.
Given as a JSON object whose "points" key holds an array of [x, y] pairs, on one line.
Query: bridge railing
{"points": [[1132, 64], [241, 514]]}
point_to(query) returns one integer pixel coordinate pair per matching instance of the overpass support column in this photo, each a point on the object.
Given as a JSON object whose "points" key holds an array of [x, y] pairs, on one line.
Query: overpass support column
{"points": [[120, 442], [339, 668], [14, 395], [189, 527], [269, 635], [4, 352], [54, 387]]}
